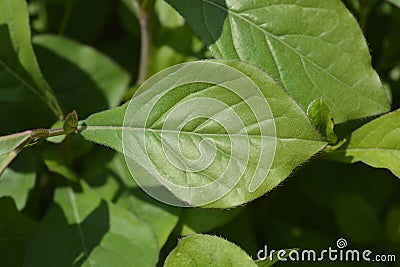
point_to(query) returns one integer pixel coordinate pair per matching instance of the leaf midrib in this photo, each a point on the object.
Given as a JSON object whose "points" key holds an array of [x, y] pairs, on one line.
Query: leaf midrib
{"points": [[220, 150], [122, 128]]}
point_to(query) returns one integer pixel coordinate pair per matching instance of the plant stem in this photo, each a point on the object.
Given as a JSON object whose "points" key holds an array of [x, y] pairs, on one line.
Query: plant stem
{"points": [[70, 126], [145, 33], [56, 132], [46, 133]]}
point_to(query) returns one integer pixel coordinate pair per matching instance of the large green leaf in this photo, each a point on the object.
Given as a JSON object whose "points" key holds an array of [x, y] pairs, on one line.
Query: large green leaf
{"points": [[82, 78], [15, 232], [18, 179], [377, 143], [206, 250], [19, 70], [282, 130], [313, 48], [83, 230]]}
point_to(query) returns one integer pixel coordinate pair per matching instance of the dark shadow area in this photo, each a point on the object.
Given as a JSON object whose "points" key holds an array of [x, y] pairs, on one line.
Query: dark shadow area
{"points": [[15, 233], [86, 20], [343, 130], [24, 163], [74, 89], [66, 244], [167, 36], [101, 171], [323, 202], [207, 24], [124, 51], [382, 34]]}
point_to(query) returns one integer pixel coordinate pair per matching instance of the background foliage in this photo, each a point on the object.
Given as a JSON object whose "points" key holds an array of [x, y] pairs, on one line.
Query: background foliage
{"points": [[88, 57]]}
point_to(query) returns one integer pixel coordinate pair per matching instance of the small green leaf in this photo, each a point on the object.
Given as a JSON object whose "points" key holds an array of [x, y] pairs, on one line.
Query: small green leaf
{"points": [[377, 143], [312, 48], [17, 59], [320, 116], [82, 230], [206, 250], [296, 140], [15, 232], [331, 148], [71, 122]]}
